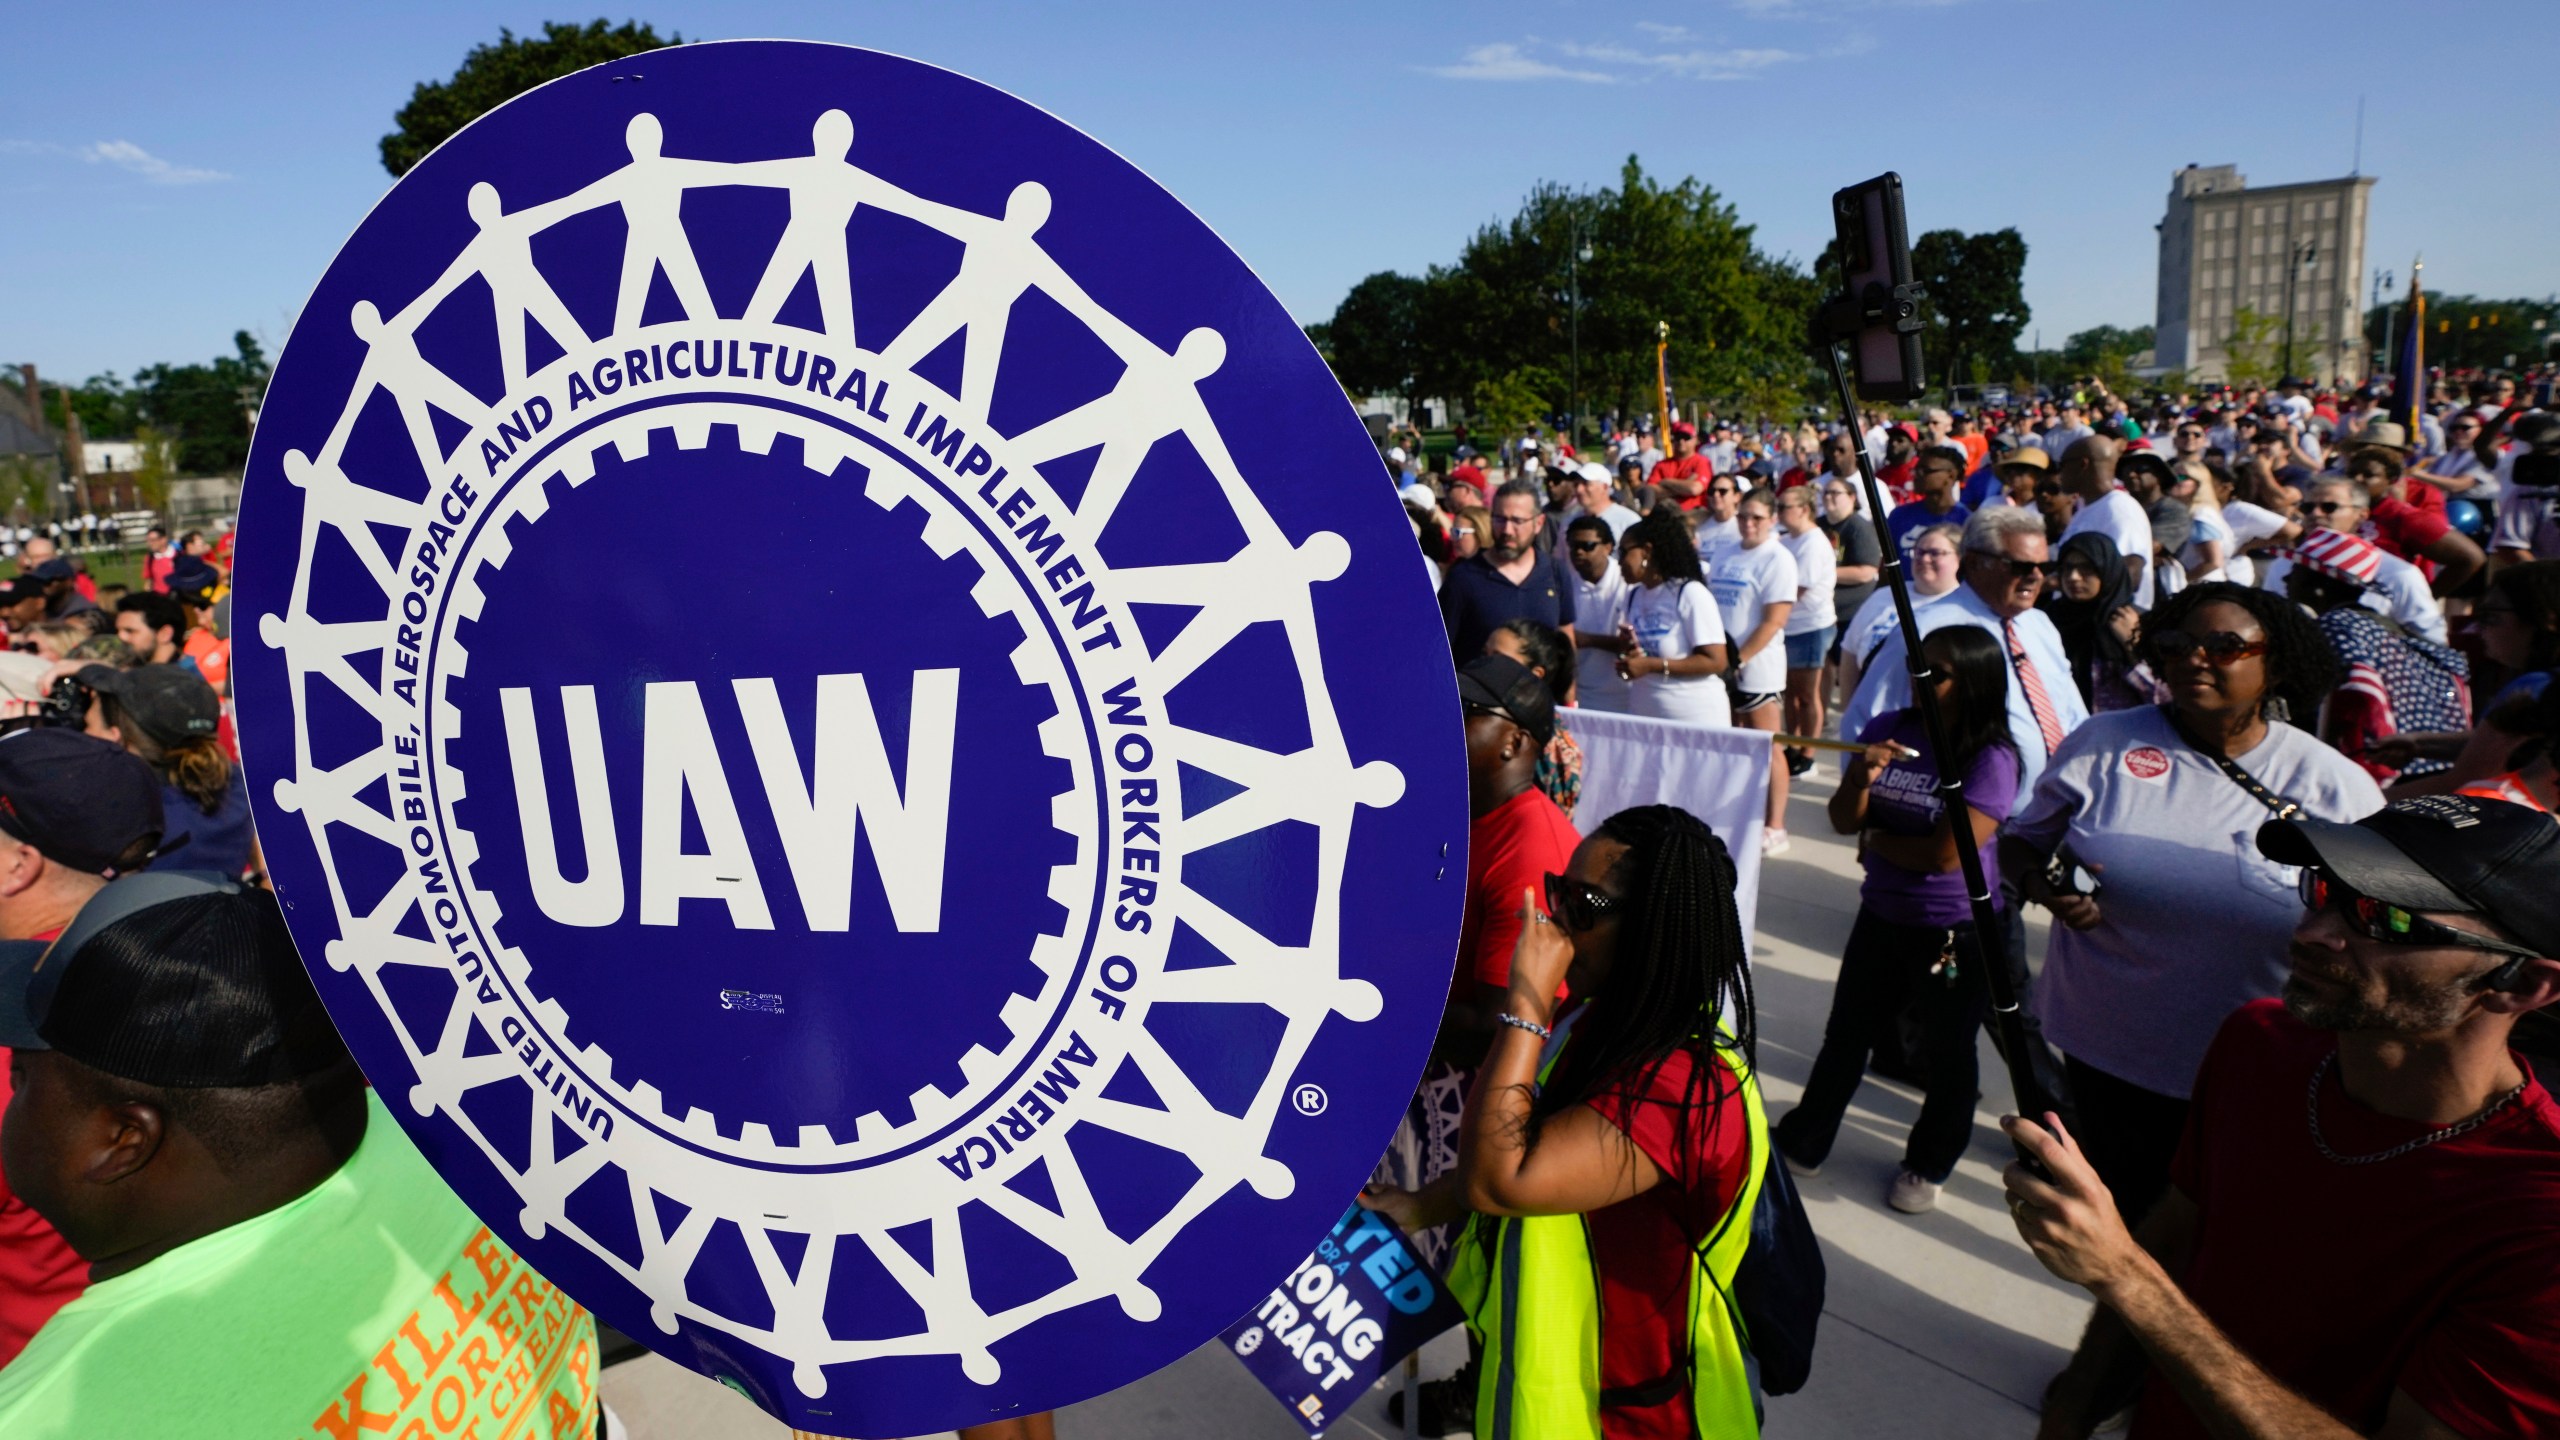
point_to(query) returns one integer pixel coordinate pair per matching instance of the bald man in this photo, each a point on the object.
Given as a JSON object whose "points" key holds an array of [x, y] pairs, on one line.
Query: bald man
{"points": [[2088, 473]]}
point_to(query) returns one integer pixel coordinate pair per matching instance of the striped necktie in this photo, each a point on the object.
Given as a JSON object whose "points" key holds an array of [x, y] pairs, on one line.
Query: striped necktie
{"points": [[2039, 703]]}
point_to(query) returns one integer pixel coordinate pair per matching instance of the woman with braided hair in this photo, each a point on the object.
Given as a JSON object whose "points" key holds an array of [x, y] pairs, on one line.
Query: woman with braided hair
{"points": [[1611, 1156]]}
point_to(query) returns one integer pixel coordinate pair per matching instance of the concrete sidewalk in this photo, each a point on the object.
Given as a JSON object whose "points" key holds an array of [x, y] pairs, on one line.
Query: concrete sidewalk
{"points": [[1939, 1325]]}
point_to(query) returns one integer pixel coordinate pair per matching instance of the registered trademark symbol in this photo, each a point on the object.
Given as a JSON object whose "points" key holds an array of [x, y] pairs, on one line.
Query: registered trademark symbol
{"points": [[1310, 1099]]}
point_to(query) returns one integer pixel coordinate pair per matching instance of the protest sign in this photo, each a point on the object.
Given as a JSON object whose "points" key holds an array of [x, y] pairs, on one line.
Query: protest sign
{"points": [[1350, 1312], [852, 817]]}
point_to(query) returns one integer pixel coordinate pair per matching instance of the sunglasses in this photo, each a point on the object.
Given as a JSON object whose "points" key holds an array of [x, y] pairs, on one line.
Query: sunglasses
{"points": [[1577, 904], [1723, 490], [2377, 920], [2021, 569], [2221, 649], [2331, 507]]}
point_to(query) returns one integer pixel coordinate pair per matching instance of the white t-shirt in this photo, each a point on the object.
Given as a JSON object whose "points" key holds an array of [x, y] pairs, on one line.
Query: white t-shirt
{"points": [[2399, 590], [1714, 538], [2194, 921], [1597, 609], [1673, 619], [2208, 526], [1815, 567], [1619, 518], [2119, 517], [2247, 523], [1746, 583], [1877, 618]]}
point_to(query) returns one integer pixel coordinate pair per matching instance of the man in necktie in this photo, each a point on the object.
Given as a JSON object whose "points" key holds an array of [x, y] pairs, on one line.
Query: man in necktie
{"points": [[2005, 566]]}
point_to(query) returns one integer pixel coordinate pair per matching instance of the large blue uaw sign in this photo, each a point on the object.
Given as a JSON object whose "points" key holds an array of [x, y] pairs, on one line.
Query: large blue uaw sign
{"points": [[849, 729]]}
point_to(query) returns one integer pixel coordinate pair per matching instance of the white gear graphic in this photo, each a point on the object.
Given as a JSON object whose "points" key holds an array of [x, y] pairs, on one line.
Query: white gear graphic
{"points": [[831, 1188]]}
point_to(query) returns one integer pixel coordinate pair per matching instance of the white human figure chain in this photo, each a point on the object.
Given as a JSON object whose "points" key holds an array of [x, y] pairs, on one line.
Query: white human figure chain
{"points": [[1155, 397]]}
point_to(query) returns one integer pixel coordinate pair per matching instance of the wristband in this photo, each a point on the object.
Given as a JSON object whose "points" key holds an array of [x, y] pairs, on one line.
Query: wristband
{"points": [[1532, 1026]]}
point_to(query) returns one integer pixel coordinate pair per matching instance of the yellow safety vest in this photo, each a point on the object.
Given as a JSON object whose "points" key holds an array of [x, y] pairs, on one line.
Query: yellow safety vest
{"points": [[1531, 1293]]}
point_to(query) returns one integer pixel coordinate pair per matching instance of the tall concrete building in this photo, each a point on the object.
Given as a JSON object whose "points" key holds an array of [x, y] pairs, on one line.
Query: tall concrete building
{"points": [[2225, 248]]}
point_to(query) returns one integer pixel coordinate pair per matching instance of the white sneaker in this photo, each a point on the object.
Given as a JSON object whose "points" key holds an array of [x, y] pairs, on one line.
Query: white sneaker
{"points": [[1773, 842], [1912, 1195]]}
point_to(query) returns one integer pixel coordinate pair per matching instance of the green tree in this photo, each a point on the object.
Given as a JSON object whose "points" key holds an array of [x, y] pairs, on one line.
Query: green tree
{"points": [[1976, 304], [2467, 332], [2254, 350], [204, 409], [1375, 336], [1659, 253], [2107, 352], [1514, 400], [491, 75]]}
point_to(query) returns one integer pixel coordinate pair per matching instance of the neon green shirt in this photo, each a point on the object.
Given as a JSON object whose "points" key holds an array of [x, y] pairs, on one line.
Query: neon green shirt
{"points": [[376, 1305]]}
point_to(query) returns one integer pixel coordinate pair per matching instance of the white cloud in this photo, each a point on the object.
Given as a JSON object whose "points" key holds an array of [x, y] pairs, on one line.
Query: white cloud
{"points": [[1694, 64], [125, 155], [1612, 62], [1510, 62]]}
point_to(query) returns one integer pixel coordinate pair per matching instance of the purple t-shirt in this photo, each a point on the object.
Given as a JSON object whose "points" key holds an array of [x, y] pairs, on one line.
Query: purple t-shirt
{"points": [[1904, 801]]}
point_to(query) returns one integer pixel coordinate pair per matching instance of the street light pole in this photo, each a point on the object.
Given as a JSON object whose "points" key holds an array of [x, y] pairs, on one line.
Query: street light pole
{"points": [[2381, 286], [2301, 255], [1578, 250]]}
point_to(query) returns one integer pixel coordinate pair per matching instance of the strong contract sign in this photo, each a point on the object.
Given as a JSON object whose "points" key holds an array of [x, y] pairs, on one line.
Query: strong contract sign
{"points": [[850, 729]]}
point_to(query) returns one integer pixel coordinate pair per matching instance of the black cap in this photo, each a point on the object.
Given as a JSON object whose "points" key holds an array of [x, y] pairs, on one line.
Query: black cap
{"points": [[192, 580], [18, 588], [1504, 686], [171, 703], [2458, 853], [174, 978], [56, 568], [86, 803]]}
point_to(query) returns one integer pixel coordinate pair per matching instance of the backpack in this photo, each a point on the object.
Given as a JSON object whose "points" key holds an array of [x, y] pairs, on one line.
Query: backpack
{"points": [[1778, 1289]]}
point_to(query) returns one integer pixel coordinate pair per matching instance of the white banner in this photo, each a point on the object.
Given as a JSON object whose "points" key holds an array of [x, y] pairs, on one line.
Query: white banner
{"points": [[1718, 773]]}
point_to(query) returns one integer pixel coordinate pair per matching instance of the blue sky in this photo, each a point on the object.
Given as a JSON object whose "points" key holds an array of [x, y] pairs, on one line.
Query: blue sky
{"points": [[171, 173]]}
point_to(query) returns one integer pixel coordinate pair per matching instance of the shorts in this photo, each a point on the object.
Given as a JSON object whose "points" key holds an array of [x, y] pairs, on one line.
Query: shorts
{"points": [[1805, 651], [1746, 701]]}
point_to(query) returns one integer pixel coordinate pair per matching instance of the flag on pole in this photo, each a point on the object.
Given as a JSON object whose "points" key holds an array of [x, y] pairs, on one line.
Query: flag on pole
{"points": [[2408, 368]]}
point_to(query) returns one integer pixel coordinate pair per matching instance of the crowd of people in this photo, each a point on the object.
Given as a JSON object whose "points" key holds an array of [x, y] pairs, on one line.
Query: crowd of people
{"points": [[2248, 691]]}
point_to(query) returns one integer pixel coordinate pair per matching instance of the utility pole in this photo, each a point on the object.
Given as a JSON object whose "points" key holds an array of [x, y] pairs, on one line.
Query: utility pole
{"points": [[1662, 382]]}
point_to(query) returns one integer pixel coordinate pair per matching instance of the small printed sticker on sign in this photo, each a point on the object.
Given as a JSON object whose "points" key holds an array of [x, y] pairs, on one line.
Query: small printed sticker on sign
{"points": [[755, 1000], [2146, 762]]}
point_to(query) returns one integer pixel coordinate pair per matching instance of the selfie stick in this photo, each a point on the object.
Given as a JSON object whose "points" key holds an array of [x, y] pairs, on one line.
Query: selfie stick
{"points": [[1839, 319]]}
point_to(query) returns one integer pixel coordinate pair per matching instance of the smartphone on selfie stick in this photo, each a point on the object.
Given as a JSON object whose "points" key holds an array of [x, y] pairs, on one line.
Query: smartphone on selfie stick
{"points": [[1876, 316]]}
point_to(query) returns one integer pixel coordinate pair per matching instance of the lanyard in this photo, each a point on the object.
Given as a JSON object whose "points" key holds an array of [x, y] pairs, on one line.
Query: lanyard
{"points": [[2277, 805]]}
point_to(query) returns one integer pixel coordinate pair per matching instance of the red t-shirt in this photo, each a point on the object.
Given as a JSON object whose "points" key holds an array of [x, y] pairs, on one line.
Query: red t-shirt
{"points": [[1640, 1245], [38, 1272], [2436, 1272], [1510, 848], [2406, 529], [1685, 467]]}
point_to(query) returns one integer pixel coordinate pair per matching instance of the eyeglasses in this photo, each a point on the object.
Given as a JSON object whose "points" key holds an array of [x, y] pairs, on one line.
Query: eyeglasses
{"points": [[2221, 649], [1577, 904], [1932, 552], [2378, 920]]}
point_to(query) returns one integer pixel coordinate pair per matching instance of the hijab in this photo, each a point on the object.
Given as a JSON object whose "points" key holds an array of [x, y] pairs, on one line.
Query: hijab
{"points": [[2086, 636]]}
